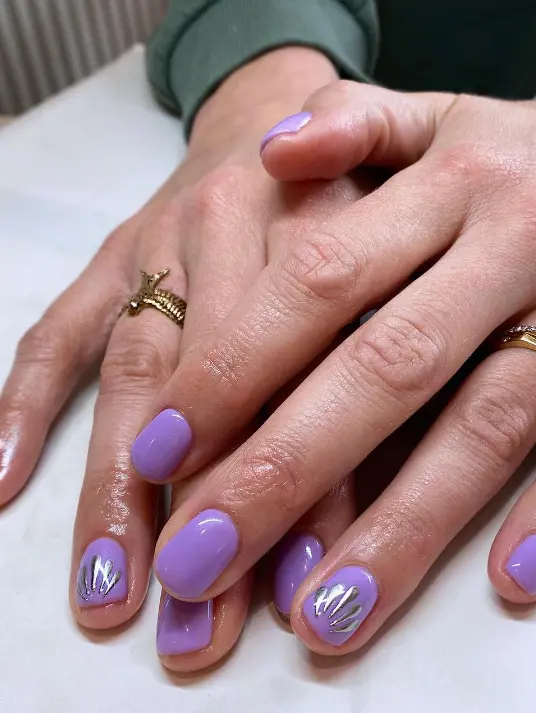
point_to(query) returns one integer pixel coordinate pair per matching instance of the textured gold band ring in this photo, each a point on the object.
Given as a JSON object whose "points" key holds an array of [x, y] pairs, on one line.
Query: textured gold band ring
{"points": [[150, 295], [523, 336]]}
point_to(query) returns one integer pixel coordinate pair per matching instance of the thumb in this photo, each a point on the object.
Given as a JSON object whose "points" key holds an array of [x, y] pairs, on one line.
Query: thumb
{"points": [[347, 124]]}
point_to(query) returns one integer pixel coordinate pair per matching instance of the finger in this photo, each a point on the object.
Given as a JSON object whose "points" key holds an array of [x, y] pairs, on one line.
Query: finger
{"points": [[468, 455], [223, 255], [324, 279], [194, 635], [114, 532], [512, 560], [359, 395], [227, 253], [301, 550], [348, 124], [304, 547], [53, 356], [223, 261]]}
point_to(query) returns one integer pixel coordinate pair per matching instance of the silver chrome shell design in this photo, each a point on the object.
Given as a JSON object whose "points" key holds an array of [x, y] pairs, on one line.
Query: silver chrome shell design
{"points": [[339, 604], [88, 581]]}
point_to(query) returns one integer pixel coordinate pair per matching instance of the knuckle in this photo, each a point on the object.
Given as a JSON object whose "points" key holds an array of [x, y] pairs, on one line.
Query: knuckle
{"points": [[475, 162], [497, 421], [217, 193], [274, 473], [132, 365], [45, 344], [405, 355], [224, 364], [339, 91], [326, 267]]}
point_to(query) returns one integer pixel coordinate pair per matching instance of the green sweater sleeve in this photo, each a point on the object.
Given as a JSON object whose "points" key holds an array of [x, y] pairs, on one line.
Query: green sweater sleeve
{"points": [[201, 42]]}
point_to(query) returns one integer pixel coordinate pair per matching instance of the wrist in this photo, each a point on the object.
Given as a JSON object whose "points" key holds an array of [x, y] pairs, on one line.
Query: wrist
{"points": [[262, 92]]}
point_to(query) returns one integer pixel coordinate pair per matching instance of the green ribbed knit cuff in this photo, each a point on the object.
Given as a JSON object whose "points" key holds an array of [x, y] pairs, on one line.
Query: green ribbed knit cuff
{"points": [[186, 67]]}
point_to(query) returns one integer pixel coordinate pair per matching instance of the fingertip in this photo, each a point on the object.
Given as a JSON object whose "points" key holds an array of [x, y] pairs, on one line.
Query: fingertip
{"points": [[321, 150], [310, 640], [161, 446], [513, 573], [193, 636], [286, 127], [108, 586]]}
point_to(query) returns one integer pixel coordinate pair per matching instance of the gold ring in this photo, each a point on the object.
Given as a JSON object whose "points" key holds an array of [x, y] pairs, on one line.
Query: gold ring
{"points": [[150, 295], [523, 336]]}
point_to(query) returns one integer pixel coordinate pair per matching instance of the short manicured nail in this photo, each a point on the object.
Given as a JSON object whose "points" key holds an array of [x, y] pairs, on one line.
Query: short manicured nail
{"points": [[297, 554], [197, 554], [183, 626], [103, 574], [337, 608], [290, 125], [521, 565], [162, 445]]}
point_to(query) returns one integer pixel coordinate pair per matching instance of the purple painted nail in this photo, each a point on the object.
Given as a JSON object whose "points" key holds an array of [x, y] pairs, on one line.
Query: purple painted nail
{"points": [[183, 626], [197, 554], [290, 125], [337, 608], [521, 565], [162, 445], [298, 553], [102, 575]]}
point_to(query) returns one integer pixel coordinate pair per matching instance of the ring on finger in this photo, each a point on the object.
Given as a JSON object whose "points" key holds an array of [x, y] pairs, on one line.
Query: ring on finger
{"points": [[150, 295], [523, 336]]}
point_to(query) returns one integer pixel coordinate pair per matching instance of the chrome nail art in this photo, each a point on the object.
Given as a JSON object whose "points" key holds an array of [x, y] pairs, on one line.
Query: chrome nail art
{"points": [[342, 619], [86, 585]]}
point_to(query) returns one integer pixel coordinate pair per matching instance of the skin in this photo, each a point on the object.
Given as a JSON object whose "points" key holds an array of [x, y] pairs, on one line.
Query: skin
{"points": [[301, 268], [208, 225], [459, 212]]}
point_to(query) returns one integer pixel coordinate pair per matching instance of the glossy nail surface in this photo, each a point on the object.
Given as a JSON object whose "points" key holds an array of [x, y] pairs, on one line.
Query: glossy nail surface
{"points": [[290, 125], [521, 565], [197, 554], [162, 445], [102, 575], [338, 607], [297, 555], [183, 626]]}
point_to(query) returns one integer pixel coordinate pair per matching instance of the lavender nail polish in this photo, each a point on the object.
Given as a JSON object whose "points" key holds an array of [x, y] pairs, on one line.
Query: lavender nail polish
{"points": [[162, 445], [521, 565], [197, 554], [297, 554], [338, 607], [290, 125], [102, 575], [183, 626]]}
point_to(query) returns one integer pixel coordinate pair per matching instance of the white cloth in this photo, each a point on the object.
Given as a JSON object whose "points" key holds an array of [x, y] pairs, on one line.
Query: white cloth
{"points": [[70, 172]]}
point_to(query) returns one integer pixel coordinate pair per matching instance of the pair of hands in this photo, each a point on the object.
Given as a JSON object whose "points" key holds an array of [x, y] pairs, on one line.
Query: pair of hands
{"points": [[273, 272]]}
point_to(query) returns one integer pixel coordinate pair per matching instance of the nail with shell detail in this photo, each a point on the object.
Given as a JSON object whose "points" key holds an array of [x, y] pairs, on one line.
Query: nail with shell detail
{"points": [[102, 575], [337, 608]]}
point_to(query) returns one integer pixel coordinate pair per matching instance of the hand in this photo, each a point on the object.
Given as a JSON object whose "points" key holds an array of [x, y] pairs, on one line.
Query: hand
{"points": [[208, 225], [460, 212]]}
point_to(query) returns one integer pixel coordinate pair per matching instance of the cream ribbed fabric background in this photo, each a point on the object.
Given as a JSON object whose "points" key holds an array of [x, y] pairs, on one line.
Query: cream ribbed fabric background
{"points": [[47, 44]]}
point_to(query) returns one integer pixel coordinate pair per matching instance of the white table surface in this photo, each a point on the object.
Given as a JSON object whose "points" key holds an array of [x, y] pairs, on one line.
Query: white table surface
{"points": [[70, 172]]}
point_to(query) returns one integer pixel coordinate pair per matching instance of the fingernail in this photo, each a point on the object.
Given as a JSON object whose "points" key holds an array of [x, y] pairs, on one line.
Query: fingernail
{"points": [[298, 553], [162, 445], [290, 125], [183, 626], [197, 554], [102, 575], [521, 565], [337, 608]]}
